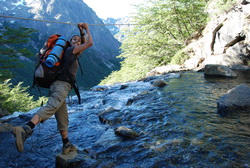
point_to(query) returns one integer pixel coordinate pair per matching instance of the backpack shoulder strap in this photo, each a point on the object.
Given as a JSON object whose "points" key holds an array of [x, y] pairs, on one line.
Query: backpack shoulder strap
{"points": [[75, 86], [79, 65], [76, 89]]}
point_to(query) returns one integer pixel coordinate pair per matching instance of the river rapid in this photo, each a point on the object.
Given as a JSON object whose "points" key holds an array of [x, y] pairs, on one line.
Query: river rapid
{"points": [[178, 126]]}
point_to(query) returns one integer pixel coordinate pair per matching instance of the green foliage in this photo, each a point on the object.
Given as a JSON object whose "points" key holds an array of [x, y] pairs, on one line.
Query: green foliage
{"points": [[11, 40], [164, 28], [16, 98], [220, 6], [131, 69], [15, 36], [180, 57]]}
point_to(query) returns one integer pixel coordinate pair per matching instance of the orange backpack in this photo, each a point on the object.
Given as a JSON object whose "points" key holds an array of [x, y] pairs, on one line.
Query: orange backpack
{"points": [[49, 64], [49, 61]]}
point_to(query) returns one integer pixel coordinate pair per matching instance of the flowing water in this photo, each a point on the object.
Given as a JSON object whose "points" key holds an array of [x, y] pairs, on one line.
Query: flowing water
{"points": [[179, 126], [212, 140]]}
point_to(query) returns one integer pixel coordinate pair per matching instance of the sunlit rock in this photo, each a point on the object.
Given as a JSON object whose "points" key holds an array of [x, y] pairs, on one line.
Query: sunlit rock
{"points": [[165, 69], [126, 132]]}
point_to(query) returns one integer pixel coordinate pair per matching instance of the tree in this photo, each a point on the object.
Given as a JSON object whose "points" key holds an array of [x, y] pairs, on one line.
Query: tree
{"points": [[11, 50], [164, 26], [16, 98]]}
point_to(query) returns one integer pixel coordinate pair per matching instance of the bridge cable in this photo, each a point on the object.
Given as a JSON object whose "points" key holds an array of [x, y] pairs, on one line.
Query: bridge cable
{"points": [[118, 24]]}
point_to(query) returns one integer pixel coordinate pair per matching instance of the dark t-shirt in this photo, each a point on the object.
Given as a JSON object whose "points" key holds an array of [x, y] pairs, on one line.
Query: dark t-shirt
{"points": [[70, 64]]}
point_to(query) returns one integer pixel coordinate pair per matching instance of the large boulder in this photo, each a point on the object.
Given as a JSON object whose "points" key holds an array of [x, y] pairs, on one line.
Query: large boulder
{"points": [[236, 100], [232, 61], [219, 70]]}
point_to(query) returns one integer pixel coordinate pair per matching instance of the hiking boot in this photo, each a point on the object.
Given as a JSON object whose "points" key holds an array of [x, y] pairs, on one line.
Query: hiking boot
{"points": [[21, 133], [68, 147]]}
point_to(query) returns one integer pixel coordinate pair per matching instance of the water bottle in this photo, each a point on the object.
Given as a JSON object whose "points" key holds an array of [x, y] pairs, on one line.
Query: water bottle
{"points": [[56, 52]]}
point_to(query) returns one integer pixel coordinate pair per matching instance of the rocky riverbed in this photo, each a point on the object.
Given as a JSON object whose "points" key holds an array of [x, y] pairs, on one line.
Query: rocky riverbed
{"points": [[175, 125]]}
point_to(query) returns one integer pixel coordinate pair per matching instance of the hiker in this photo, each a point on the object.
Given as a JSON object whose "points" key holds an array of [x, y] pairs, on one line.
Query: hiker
{"points": [[59, 89]]}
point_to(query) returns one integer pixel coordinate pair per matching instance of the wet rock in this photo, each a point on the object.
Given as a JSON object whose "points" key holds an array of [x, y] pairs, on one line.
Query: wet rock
{"points": [[75, 159], [129, 102], [111, 116], [123, 87], [159, 83], [99, 88], [218, 70], [126, 132], [140, 96], [163, 145], [236, 100]]}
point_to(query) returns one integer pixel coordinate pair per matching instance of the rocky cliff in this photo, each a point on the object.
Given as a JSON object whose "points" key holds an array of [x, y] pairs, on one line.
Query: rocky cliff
{"points": [[98, 61], [224, 40]]}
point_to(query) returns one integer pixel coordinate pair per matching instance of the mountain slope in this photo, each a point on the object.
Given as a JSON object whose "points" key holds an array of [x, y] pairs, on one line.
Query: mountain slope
{"points": [[97, 62]]}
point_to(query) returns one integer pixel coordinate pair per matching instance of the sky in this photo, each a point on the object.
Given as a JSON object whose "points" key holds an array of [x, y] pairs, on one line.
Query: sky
{"points": [[112, 8]]}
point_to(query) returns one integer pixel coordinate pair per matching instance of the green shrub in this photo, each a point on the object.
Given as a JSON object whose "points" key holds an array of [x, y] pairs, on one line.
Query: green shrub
{"points": [[221, 6], [16, 98], [180, 57]]}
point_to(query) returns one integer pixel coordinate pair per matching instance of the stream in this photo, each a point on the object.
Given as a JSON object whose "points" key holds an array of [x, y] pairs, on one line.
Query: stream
{"points": [[178, 126]]}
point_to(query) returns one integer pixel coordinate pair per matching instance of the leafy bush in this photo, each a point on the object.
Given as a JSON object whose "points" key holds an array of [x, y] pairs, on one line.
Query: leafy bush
{"points": [[16, 98], [180, 57], [217, 7]]}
